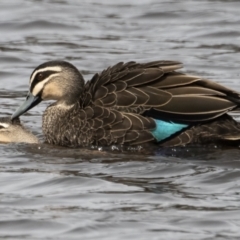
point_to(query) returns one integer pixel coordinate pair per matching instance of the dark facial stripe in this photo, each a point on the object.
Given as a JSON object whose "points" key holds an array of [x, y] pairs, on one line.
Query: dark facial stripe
{"points": [[40, 77]]}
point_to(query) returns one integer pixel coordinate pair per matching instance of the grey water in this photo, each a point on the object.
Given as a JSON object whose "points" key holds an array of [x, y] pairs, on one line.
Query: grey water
{"points": [[48, 192]]}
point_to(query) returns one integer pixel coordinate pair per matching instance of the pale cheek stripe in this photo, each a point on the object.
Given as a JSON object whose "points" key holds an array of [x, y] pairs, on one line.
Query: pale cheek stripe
{"points": [[39, 86], [54, 69], [4, 125]]}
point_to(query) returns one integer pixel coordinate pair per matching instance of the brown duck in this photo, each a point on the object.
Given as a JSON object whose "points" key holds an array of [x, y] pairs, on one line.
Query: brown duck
{"points": [[132, 104]]}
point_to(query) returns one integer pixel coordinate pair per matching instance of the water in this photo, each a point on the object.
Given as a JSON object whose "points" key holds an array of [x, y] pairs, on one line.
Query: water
{"points": [[48, 192]]}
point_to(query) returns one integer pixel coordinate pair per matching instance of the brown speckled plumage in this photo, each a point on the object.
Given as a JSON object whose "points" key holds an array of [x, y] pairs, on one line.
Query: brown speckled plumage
{"points": [[119, 105]]}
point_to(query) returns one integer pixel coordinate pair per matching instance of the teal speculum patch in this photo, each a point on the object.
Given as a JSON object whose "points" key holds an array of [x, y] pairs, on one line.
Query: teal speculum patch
{"points": [[165, 129]]}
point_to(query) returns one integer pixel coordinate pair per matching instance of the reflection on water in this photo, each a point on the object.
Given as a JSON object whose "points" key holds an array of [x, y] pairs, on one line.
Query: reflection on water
{"points": [[49, 192]]}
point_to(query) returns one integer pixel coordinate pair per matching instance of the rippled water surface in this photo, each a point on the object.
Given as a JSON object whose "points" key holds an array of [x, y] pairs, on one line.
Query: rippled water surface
{"points": [[49, 192]]}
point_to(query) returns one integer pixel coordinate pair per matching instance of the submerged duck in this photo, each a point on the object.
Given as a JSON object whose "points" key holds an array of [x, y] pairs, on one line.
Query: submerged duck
{"points": [[13, 131], [132, 104]]}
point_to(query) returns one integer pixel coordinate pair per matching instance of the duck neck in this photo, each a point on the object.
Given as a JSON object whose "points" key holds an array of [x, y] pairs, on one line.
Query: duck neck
{"points": [[55, 119]]}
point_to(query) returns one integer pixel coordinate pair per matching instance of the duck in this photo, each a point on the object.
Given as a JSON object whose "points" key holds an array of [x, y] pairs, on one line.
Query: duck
{"points": [[132, 104], [12, 131]]}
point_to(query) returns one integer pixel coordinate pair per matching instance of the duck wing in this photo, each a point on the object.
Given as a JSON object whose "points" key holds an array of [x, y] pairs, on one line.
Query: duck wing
{"points": [[154, 89], [129, 85], [224, 131]]}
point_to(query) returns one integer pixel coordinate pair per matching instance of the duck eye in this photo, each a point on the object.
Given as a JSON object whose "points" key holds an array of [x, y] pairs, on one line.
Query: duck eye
{"points": [[40, 76]]}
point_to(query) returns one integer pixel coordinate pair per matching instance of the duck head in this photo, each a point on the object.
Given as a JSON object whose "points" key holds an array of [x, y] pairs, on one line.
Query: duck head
{"points": [[11, 131], [53, 80]]}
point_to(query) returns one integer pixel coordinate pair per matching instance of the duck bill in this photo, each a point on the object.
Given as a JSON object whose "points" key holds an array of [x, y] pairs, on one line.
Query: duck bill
{"points": [[29, 103]]}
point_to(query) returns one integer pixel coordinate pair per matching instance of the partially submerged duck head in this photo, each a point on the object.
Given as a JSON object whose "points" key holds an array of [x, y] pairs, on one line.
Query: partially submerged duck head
{"points": [[12, 131]]}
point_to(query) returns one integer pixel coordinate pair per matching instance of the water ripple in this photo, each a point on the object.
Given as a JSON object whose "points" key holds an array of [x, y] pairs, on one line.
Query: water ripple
{"points": [[51, 192]]}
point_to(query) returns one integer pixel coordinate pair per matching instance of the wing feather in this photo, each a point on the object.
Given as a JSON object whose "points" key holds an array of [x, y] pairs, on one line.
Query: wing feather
{"points": [[127, 96], [196, 105]]}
